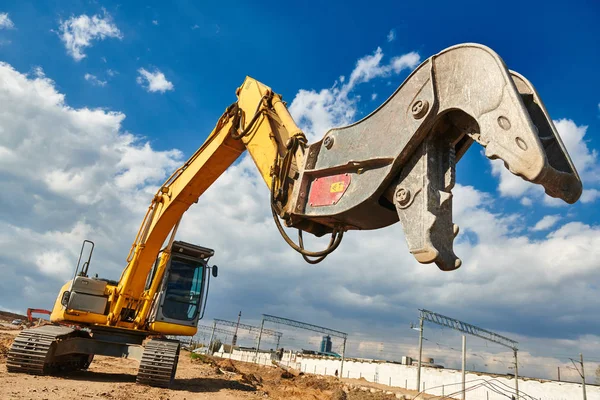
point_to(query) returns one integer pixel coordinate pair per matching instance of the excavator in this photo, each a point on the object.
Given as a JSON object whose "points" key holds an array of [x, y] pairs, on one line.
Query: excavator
{"points": [[396, 164]]}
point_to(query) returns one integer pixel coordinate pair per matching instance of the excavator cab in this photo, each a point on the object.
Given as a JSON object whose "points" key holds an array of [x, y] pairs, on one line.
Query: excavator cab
{"points": [[182, 297], [178, 303]]}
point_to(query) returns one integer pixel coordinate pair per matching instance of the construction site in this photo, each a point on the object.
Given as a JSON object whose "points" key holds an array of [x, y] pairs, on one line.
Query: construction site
{"points": [[210, 366], [330, 187], [351, 225]]}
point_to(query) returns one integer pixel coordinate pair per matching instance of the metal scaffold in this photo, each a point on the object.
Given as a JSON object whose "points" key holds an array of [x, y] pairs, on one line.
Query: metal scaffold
{"points": [[452, 323]]}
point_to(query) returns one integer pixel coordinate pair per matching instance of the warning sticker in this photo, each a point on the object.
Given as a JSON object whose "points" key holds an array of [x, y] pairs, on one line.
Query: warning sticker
{"points": [[337, 187], [328, 190]]}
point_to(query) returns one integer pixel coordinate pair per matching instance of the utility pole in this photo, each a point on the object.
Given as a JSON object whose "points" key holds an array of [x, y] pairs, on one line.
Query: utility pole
{"points": [[343, 357], [582, 376], [420, 354], [212, 335], [234, 339], [516, 374], [581, 373], [558, 374], [464, 364], [259, 337]]}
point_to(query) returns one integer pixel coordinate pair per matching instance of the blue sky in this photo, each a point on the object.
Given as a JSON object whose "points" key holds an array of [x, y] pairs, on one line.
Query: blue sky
{"points": [[207, 50], [292, 47], [203, 53]]}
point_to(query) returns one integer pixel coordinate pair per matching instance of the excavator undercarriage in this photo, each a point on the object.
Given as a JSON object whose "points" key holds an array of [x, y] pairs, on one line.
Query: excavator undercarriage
{"points": [[55, 349]]}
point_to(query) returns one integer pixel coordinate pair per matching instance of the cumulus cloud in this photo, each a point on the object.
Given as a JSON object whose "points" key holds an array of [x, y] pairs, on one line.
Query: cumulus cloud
{"points": [[154, 81], [78, 33], [546, 223], [406, 61], [93, 79], [526, 201], [391, 36], [5, 21], [75, 174], [370, 67], [589, 195]]}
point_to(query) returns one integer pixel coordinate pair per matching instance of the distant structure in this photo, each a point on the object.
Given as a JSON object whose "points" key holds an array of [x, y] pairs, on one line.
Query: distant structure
{"points": [[326, 344]]}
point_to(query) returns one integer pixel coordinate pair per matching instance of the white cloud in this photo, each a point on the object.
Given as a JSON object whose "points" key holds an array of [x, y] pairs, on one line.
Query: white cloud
{"points": [[317, 112], [391, 36], [367, 68], [546, 223], [195, 26], [78, 33], [373, 96], [80, 179], [589, 195], [154, 22], [406, 61], [5, 21], [154, 81], [111, 72], [526, 201], [93, 79]]}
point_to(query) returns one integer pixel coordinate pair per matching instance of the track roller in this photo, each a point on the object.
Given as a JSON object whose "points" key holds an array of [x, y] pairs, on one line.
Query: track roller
{"points": [[159, 363], [32, 351]]}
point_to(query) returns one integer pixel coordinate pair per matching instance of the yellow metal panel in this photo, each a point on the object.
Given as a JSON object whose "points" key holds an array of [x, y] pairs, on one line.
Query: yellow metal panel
{"points": [[259, 143], [173, 329], [59, 314]]}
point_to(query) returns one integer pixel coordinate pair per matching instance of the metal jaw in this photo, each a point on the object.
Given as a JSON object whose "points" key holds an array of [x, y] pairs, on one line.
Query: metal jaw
{"points": [[507, 117], [399, 162], [423, 200]]}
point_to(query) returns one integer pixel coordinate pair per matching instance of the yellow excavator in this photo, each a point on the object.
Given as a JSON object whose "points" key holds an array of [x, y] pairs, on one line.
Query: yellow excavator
{"points": [[397, 164]]}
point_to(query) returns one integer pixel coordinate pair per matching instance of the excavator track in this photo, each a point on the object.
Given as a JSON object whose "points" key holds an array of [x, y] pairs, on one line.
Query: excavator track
{"points": [[159, 363], [32, 352]]}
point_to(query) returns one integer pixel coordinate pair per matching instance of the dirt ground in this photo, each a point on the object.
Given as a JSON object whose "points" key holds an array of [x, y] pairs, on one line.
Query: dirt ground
{"points": [[200, 378]]}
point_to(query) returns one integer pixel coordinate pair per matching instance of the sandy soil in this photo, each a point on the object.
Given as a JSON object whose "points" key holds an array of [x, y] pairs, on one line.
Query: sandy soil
{"points": [[206, 378]]}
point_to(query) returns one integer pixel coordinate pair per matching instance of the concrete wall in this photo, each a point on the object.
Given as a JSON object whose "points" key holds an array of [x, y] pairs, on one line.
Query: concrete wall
{"points": [[441, 381], [264, 358]]}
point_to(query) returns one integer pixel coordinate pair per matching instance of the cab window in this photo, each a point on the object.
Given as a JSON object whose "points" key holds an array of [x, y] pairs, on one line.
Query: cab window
{"points": [[184, 290]]}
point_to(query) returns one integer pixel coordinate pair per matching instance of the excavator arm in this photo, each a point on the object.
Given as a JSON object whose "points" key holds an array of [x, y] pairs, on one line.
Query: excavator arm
{"points": [[397, 164]]}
